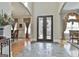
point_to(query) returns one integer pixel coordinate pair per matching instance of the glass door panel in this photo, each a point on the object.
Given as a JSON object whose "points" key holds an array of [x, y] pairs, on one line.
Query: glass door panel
{"points": [[48, 28], [40, 36], [45, 28]]}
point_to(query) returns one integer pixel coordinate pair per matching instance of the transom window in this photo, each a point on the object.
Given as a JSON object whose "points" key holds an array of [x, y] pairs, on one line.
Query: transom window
{"points": [[72, 24]]}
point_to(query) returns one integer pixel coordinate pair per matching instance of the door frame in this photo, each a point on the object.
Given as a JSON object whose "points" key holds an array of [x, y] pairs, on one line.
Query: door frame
{"points": [[43, 29]]}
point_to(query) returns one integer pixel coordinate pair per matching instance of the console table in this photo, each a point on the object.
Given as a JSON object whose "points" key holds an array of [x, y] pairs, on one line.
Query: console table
{"points": [[4, 41], [5, 36], [74, 35]]}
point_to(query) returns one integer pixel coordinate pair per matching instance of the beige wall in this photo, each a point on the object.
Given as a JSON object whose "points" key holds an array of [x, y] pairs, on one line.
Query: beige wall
{"points": [[46, 8]]}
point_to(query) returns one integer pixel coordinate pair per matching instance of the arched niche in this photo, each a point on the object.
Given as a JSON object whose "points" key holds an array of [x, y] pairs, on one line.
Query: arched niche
{"points": [[70, 16], [74, 16]]}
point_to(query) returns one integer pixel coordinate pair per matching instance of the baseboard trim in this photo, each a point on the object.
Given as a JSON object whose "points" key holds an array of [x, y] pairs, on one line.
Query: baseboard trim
{"points": [[33, 41], [44, 41]]}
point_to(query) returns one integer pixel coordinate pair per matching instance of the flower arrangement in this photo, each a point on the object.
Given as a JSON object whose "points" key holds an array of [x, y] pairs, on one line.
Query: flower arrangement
{"points": [[5, 20]]}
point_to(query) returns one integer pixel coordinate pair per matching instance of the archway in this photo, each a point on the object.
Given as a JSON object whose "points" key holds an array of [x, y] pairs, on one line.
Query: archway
{"points": [[69, 17]]}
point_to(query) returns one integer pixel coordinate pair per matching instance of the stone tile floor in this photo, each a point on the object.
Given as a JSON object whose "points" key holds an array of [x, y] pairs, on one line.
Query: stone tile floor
{"points": [[40, 49]]}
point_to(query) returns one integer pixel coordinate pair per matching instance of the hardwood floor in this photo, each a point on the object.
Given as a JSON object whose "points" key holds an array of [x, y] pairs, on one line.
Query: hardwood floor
{"points": [[17, 46], [42, 49]]}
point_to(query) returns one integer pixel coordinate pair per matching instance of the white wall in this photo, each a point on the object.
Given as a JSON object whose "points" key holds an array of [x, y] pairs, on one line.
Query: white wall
{"points": [[6, 6], [61, 6], [46, 8], [19, 10], [30, 7]]}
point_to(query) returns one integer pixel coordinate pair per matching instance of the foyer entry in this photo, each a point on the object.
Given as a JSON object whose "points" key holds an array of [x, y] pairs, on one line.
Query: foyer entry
{"points": [[45, 28]]}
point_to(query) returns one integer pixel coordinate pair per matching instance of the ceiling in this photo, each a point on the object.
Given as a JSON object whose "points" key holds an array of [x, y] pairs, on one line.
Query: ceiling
{"points": [[19, 10], [71, 5]]}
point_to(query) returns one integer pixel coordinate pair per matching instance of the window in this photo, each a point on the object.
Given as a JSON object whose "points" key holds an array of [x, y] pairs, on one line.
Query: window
{"points": [[72, 25]]}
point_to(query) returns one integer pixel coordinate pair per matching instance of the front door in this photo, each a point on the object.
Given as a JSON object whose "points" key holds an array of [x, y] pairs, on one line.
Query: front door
{"points": [[45, 28]]}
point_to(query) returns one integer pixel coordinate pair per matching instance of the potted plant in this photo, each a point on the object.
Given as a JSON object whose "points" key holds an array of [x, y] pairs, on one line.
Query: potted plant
{"points": [[5, 20]]}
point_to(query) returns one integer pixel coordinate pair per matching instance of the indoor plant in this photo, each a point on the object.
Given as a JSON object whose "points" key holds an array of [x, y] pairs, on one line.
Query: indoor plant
{"points": [[5, 20]]}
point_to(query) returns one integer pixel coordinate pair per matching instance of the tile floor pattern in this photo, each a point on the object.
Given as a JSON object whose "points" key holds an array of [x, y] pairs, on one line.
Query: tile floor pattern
{"points": [[40, 49]]}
